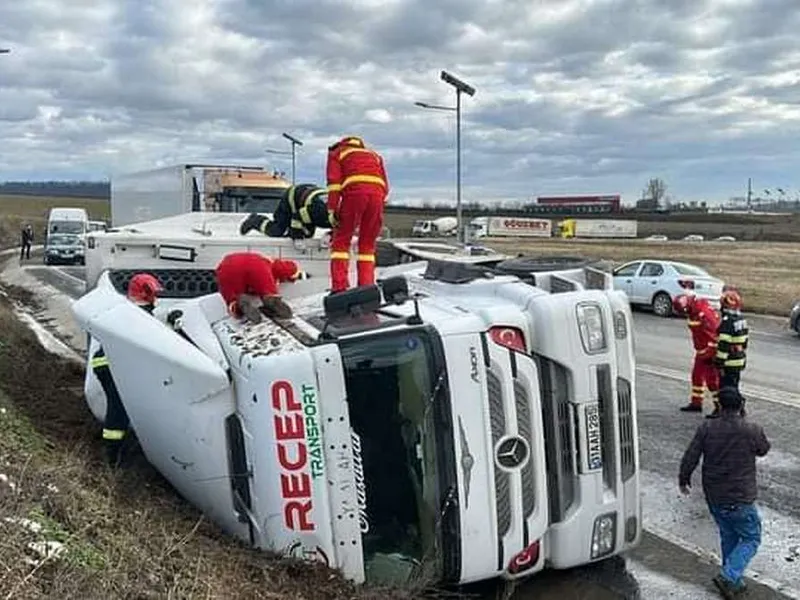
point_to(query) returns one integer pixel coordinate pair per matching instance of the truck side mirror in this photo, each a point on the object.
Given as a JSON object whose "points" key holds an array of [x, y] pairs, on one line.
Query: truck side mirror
{"points": [[395, 290]]}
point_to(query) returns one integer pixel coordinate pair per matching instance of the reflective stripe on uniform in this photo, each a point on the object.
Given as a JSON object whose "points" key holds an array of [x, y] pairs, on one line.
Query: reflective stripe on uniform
{"points": [[296, 224], [335, 187], [732, 339], [100, 361], [291, 199], [736, 362], [366, 258], [348, 151], [722, 355], [340, 256], [113, 434], [363, 179], [694, 323], [304, 216]]}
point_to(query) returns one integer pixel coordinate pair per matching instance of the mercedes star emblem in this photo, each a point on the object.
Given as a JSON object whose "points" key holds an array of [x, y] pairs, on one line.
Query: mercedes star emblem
{"points": [[512, 453]]}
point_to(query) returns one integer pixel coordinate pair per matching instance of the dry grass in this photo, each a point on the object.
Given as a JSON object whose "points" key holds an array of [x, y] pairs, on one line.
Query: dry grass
{"points": [[765, 273], [16, 211]]}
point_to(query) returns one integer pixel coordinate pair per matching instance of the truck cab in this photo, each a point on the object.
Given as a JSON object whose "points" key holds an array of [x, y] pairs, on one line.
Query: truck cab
{"points": [[450, 423]]}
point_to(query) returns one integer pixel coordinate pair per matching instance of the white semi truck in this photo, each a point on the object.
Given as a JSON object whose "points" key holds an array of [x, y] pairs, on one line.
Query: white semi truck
{"points": [[174, 190], [452, 422]]}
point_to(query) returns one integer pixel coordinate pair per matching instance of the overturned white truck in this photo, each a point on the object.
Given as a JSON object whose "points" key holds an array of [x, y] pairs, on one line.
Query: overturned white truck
{"points": [[452, 422]]}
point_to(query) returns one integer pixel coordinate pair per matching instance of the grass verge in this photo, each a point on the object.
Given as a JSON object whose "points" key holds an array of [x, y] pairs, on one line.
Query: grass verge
{"points": [[765, 273], [17, 211]]}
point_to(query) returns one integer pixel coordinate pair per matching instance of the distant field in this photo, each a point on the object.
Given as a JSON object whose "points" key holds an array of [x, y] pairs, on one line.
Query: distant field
{"points": [[742, 227], [16, 211], [765, 273]]}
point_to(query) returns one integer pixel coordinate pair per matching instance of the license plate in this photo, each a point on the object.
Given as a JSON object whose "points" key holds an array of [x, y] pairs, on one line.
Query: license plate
{"points": [[594, 448]]}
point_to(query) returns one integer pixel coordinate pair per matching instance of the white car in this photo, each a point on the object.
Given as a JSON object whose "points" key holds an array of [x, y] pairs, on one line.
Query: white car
{"points": [[657, 237], [655, 283], [693, 238]]}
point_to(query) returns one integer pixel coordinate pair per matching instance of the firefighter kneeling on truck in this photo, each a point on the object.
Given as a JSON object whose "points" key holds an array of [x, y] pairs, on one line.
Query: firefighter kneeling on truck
{"points": [[248, 283], [142, 291], [301, 210]]}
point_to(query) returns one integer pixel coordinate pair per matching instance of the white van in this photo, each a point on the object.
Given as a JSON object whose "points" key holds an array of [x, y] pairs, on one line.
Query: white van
{"points": [[66, 236]]}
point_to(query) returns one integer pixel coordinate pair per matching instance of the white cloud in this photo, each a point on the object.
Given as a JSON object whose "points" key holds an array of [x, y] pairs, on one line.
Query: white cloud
{"points": [[572, 95]]}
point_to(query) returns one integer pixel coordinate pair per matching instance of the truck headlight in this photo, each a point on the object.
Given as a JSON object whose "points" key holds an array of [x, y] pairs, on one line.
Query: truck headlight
{"points": [[590, 325], [604, 535]]}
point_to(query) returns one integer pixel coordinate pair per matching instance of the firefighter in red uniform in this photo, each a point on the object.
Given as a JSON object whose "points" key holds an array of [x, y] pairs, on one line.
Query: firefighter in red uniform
{"points": [[240, 273], [357, 191], [703, 323]]}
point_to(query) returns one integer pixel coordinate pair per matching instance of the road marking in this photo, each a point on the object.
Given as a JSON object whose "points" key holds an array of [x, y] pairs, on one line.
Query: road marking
{"points": [[712, 557], [63, 273], [753, 391]]}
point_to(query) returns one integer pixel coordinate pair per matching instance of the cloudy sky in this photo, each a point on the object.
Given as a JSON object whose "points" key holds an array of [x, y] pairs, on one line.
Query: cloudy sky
{"points": [[573, 96]]}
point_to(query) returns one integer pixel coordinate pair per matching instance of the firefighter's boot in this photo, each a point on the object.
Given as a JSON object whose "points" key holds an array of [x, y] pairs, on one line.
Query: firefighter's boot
{"points": [[254, 221], [114, 453], [696, 408], [275, 308]]}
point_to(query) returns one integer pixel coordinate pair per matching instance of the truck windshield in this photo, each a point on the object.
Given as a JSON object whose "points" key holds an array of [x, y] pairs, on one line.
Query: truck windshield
{"points": [[391, 382], [251, 199], [76, 227]]}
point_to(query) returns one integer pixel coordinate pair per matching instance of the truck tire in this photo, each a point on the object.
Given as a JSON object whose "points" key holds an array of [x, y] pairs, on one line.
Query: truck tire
{"points": [[524, 265]]}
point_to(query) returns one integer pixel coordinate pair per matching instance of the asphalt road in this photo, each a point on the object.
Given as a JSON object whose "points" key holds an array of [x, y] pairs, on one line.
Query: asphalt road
{"points": [[676, 556]]}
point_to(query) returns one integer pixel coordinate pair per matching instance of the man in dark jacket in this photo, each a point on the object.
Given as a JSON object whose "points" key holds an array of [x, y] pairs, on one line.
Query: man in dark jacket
{"points": [[729, 446], [26, 239]]}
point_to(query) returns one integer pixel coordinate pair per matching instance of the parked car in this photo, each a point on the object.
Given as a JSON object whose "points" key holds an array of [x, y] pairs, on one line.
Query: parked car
{"points": [[693, 238], [794, 318], [725, 238], [654, 283], [656, 237]]}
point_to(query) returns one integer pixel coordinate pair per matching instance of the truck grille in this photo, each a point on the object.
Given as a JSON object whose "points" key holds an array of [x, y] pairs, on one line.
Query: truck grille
{"points": [[559, 440], [626, 441], [178, 283], [501, 479], [605, 399], [525, 430]]}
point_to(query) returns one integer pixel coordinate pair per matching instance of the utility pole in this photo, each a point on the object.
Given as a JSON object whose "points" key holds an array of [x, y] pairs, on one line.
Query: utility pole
{"points": [[749, 192], [295, 142]]}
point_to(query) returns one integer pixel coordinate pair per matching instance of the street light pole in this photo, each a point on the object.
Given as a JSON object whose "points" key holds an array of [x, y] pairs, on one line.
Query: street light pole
{"points": [[4, 50], [295, 142], [461, 88]]}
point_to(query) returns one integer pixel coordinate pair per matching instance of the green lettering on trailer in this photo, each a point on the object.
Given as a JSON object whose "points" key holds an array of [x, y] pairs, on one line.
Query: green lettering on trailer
{"points": [[313, 433]]}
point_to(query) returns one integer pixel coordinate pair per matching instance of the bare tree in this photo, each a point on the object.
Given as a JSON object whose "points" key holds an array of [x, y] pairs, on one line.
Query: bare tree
{"points": [[655, 191]]}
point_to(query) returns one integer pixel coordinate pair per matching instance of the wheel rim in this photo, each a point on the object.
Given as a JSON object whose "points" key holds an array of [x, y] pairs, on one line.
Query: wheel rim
{"points": [[661, 305]]}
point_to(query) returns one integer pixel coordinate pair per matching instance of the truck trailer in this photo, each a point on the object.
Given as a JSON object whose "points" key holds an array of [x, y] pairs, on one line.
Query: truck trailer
{"points": [[598, 228], [168, 191], [451, 423]]}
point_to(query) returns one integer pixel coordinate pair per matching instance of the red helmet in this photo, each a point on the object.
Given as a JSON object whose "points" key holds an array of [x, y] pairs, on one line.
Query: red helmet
{"points": [[350, 140], [682, 304], [731, 300], [143, 289]]}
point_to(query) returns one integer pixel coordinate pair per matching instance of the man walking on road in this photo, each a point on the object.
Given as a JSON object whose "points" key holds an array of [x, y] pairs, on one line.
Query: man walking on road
{"points": [[25, 242], [729, 446]]}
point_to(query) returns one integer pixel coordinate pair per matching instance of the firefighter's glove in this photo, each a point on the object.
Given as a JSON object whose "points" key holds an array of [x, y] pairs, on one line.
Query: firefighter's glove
{"points": [[302, 275], [175, 319], [333, 219]]}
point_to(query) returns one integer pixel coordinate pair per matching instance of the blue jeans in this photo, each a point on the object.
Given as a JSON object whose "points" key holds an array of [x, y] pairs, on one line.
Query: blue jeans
{"points": [[740, 535]]}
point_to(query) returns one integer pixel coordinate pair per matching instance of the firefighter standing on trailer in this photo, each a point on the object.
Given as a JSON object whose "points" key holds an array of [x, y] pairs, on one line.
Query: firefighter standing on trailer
{"points": [[357, 191], [250, 274], [703, 323], [731, 357], [142, 290], [301, 210]]}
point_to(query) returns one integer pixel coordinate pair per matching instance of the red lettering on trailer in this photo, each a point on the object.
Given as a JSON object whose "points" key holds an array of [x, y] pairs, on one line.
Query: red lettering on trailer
{"points": [[290, 440], [525, 224]]}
